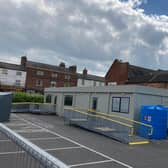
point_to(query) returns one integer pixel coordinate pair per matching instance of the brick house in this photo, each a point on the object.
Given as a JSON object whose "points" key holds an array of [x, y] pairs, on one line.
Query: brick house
{"points": [[88, 80], [158, 79], [40, 76], [125, 73]]}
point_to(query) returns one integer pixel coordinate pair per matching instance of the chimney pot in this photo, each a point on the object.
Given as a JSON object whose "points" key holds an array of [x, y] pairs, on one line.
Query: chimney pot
{"points": [[73, 68], [62, 65], [23, 60], [85, 72]]}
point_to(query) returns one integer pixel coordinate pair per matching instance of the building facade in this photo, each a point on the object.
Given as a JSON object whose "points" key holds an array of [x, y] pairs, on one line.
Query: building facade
{"points": [[125, 73], [12, 77], [87, 80], [121, 100], [40, 76]]}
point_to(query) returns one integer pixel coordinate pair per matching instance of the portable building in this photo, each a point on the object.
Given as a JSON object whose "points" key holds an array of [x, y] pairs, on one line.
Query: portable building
{"points": [[122, 100]]}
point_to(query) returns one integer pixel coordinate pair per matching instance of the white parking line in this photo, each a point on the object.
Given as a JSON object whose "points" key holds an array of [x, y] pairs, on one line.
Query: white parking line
{"points": [[15, 124], [34, 139], [29, 131], [90, 163], [66, 148], [9, 153], [47, 150], [83, 146]]}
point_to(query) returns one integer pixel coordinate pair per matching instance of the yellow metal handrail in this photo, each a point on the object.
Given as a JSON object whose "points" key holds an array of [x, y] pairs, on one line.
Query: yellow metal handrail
{"points": [[124, 118], [104, 117]]}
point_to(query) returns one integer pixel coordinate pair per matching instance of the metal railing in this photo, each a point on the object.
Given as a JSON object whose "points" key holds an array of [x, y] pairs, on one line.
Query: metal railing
{"points": [[18, 152], [125, 119], [101, 124], [114, 126], [28, 107]]}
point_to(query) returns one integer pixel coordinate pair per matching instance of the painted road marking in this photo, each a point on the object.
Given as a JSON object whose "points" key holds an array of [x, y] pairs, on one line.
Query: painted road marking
{"points": [[83, 146], [47, 150], [90, 163], [66, 148], [34, 139], [29, 131]]}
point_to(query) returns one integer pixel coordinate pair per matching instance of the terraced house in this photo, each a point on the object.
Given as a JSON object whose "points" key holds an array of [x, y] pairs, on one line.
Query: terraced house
{"points": [[40, 75]]}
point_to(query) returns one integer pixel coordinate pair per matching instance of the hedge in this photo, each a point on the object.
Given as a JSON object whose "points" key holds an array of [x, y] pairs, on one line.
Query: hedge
{"points": [[26, 97]]}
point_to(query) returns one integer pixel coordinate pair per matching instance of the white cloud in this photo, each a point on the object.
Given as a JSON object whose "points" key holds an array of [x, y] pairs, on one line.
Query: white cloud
{"points": [[87, 33]]}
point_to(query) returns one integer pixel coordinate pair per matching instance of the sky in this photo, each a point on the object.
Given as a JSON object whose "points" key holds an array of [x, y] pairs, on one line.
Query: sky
{"points": [[86, 33]]}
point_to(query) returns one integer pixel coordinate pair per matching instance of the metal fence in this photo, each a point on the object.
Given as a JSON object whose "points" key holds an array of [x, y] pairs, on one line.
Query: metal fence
{"points": [[18, 152], [104, 124], [27, 107]]}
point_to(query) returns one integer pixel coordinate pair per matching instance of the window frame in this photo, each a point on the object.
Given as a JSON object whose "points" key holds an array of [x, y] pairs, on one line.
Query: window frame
{"points": [[39, 84], [53, 84], [54, 75], [18, 73], [4, 71], [18, 82], [70, 96], [55, 100], [120, 105], [39, 73], [94, 99], [48, 97]]}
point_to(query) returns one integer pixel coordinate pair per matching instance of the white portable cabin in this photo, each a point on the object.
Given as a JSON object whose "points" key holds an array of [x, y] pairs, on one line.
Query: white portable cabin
{"points": [[122, 100]]}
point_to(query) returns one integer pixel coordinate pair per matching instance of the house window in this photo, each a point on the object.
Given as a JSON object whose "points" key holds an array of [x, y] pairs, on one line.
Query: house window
{"points": [[54, 75], [67, 77], [40, 73], [39, 83], [120, 104], [53, 83], [94, 103], [4, 71], [17, 82], [48, 99], [66, 84], [18, 73], [68, 100]]}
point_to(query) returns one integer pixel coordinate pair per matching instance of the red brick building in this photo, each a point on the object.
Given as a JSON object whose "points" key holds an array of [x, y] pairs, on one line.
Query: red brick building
{"points": [[40, 76], [125, 73]]}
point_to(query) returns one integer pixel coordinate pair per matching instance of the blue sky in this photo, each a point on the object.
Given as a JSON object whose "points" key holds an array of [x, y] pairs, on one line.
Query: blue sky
{"points": [[159, 7]]}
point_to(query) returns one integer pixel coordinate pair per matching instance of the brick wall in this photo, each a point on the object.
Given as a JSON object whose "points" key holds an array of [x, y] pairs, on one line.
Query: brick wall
{"points": [[118, 72], [46, 78]]}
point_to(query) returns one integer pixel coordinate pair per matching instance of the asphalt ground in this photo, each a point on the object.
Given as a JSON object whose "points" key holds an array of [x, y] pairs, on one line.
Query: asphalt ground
{"points": [[77, 147]]}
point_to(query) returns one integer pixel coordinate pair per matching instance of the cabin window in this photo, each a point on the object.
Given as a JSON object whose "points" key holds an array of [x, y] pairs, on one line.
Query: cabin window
{"points": [[120, 104], [68, 100], [48, 99], [94, 103]]}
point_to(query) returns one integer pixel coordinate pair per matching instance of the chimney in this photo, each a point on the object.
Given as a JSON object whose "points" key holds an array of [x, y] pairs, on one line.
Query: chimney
{"points": [[85, 72], [23, 60], [73, 68], [62, 65]]}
